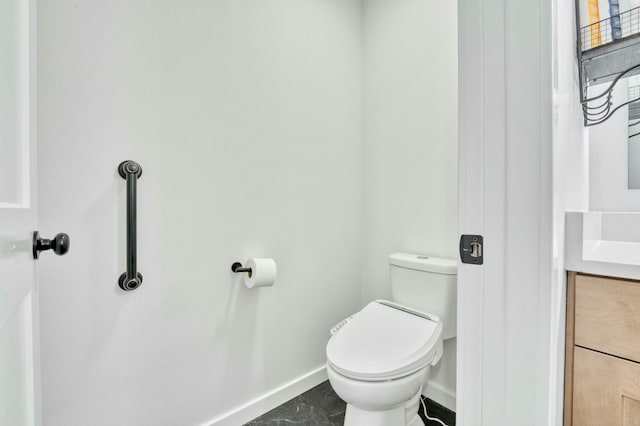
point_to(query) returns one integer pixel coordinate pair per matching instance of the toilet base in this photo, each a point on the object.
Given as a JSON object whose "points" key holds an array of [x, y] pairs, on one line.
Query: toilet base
{"points": [[386, 403], [357, 417], [403, 415], [411, 410]]}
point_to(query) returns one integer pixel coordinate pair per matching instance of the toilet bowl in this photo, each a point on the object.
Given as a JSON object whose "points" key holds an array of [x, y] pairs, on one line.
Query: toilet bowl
{"points": [[393, 402], [379, 359]]}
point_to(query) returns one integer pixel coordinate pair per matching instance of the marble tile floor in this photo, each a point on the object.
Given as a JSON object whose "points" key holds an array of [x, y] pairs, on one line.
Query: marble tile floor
{"points": [[320, 406]]}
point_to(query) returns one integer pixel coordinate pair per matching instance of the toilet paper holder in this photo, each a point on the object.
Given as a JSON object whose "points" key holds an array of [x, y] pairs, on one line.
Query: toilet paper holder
{"points": [[237, 268], [260, 272]]}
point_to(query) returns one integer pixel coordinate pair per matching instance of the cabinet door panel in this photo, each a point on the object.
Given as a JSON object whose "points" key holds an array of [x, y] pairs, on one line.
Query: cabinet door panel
{"points": [[630, 411], [607, 315], [606, 390]]}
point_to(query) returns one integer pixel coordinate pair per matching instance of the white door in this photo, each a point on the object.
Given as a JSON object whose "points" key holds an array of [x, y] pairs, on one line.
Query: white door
{"points": [[19, 384], [504, 375]]}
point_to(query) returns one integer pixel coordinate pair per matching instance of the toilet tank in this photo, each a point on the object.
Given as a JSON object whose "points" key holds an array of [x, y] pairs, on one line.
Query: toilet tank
{"points": [[427, 284]]}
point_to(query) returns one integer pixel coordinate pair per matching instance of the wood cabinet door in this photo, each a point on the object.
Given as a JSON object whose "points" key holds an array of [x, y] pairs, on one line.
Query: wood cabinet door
{"points": [[607, 315], [606, 390]]}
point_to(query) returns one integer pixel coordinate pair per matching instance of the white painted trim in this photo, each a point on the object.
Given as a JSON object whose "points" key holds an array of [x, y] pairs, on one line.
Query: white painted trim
{"points": [[440, 395], [30, 196], [480, 361], [270, 400]]}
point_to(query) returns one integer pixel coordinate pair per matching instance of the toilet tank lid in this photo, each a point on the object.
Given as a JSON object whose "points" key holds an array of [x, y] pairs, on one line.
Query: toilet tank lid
{"points": [[425, 263]]}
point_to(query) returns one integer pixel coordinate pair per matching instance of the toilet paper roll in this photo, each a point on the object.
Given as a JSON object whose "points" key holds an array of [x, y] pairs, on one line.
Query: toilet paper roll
{"points": [[263, 273]]}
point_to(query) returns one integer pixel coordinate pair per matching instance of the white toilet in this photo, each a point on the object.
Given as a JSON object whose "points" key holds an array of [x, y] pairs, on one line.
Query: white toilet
{"points": [[379, 359]]}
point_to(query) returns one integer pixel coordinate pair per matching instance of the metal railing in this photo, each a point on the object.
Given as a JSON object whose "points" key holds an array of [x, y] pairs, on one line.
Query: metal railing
{"points": [[598, 109], [610, 29], [634, 93], [634, 98]]}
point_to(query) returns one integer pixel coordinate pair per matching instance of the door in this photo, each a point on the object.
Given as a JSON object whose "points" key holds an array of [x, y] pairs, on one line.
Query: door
{"points": [[504, 376], [606, 390], [19, 384]]}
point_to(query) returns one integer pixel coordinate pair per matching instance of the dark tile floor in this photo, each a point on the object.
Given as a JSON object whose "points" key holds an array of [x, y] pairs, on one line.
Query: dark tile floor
{"points": [[320, 406], [439, 412]]}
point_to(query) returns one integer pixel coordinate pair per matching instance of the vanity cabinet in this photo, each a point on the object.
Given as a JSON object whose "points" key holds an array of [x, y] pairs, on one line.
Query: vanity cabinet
{"points": [[602, 379]]}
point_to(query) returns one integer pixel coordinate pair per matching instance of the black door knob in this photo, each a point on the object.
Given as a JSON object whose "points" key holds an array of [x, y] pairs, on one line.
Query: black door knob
{"points": [[60, 244]]}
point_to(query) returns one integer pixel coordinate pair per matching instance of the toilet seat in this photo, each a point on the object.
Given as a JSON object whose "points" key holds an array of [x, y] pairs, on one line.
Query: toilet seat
{"points": [[385, 341]]}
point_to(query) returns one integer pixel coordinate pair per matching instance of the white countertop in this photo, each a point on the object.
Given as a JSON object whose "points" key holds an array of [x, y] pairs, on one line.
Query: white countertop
{"points": [[603, 243]]}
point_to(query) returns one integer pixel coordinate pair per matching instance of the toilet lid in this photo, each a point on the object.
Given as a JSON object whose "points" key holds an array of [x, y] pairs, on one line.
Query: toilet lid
{"points": [[382, 342]]}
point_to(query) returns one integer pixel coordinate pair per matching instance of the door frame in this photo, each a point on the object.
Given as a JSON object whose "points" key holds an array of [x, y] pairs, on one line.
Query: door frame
{"points": [[504, 369]]}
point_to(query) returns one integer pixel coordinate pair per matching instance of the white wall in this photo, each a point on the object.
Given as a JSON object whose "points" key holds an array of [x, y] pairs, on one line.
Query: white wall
{"points": [[608, 146], [246, 119], [608, 164], [410, 153], [570, 182]]}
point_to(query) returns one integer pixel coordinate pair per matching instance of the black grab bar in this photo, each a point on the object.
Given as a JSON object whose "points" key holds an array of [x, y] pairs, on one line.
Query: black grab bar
{"points": [[131, 279]]}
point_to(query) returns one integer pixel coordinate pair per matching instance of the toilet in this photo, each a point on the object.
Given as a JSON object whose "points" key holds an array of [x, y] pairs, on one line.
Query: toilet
{"points": [[379, 359]]}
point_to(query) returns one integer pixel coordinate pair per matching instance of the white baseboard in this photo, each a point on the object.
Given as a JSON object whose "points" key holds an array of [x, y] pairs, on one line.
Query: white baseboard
{"points": [[270, 400], [440, 395]]}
